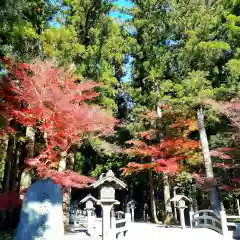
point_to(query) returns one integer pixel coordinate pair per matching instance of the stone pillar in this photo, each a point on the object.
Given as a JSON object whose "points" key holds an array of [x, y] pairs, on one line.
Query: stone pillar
{"points": [[238, 207], [132, 213], [90, 220], [128, 214], [223, 217], [106, 219], [145, 212], [191, 212], [113, 224], [128, 219], [174, 204], [132, 204], [182, 217]]}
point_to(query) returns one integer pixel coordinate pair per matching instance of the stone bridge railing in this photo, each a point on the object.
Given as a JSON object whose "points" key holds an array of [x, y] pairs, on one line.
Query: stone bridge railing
{"points": [[221, 223], [120, 224], [207, 219]]}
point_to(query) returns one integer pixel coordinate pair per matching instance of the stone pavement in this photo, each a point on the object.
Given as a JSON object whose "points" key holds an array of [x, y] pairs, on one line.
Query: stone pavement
{"points": [[148, 231], [80, 236], [145, 231]]}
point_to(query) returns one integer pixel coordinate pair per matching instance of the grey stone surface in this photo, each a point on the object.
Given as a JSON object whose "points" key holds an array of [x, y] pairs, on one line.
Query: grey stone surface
{"points": [[41, 216], [143, 231]]}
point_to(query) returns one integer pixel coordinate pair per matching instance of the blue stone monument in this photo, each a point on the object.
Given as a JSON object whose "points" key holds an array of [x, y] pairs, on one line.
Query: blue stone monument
{"points": [[41, 215]]}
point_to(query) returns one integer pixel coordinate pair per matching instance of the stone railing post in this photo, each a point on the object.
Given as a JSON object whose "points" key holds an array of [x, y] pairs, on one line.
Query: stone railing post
{"points": [[223, 217], [113, 224], [128, 219], [191, 212], [93, 217], [132, 205], [238, 206], [90, 220], [132, 213], [144, 215]]}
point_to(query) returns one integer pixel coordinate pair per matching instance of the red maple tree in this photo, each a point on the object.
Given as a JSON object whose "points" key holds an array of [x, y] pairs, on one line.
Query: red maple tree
{"points": [[164, 156], [53, 101]]}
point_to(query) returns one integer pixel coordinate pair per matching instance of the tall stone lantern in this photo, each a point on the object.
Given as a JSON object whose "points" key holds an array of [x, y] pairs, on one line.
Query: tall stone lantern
{"points": [[107, 184], [180, 201]]}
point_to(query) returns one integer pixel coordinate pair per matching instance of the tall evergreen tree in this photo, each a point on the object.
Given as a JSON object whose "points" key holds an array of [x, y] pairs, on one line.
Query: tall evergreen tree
{"points": [[185, 51]]}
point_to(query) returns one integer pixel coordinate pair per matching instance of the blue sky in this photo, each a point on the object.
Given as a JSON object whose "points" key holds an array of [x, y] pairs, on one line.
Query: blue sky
{"points": [[122, 3]]}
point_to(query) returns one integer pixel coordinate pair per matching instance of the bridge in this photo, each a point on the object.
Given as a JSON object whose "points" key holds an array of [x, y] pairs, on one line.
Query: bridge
{"points": [[221, 223]]}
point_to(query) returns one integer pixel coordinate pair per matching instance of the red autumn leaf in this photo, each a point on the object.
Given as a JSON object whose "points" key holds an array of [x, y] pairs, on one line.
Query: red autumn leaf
{"points": [[236, 180], [165, 107], [220, 154], [181, 123], [224, 149], [227, 188], [223, 165], [147, 134]]}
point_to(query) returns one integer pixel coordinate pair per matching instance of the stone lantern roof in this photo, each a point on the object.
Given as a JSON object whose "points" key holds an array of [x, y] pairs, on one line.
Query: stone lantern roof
{"points": [[132, 202], [107, 178], [179, 197], [89, 197]]}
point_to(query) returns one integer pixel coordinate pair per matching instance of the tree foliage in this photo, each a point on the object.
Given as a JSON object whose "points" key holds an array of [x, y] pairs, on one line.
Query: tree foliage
{"points": [[21, 24], [164, 156], [49, 99]]}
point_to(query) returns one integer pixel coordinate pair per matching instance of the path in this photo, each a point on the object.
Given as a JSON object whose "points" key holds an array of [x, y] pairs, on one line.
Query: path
{"points": [[143, 231], [148, 231]]}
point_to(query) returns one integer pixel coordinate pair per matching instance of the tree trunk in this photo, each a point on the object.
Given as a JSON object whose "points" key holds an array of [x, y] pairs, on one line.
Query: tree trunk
{"points": [[167, 196], [213, 193], [15, 167], [153, 208], [66, 163], [152, 198], [3, 154], [165, 178], [8, 164], [26, 176], [7, 170], [63, 162]]}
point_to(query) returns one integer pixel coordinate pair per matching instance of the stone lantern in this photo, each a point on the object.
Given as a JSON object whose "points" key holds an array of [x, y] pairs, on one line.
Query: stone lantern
{"points": [[180, 201], [131, 204], [90, 201], [107, 184]]}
